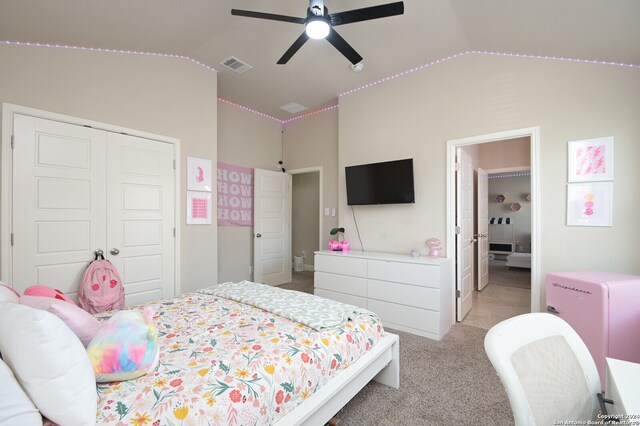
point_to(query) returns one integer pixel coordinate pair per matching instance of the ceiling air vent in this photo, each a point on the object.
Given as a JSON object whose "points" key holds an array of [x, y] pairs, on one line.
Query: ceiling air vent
{"points": [[293, 107], [236, 64]]}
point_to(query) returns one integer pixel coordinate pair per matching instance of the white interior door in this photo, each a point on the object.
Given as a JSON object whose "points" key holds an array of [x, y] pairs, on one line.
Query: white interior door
{"points": [[77, 189], [272, 227], [464, 238], [483, 228], [59, 204], [140, 216]]}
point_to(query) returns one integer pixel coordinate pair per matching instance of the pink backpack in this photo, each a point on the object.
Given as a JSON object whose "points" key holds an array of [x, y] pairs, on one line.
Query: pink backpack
{"points": [[101, 288]]}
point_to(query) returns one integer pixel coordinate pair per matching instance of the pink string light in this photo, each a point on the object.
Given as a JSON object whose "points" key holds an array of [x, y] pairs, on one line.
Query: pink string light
{"points": [[318, 111], [347, 92], [481, 52], [103, 50], [250, 110]]}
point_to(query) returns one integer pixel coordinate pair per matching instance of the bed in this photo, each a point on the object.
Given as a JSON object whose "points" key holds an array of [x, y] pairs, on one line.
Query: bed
{"points": [[227, 362], [519, 260]]}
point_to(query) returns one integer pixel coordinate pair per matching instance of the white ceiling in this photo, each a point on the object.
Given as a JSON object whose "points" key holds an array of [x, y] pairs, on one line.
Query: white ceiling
{"points": [[205, 31]]}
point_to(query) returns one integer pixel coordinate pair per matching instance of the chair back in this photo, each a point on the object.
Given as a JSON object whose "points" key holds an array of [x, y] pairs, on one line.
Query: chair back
{"points": [[546, 369]]}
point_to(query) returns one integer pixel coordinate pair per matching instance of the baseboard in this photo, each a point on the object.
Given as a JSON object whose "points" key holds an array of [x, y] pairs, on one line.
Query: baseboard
{"points": [[308, 268]]}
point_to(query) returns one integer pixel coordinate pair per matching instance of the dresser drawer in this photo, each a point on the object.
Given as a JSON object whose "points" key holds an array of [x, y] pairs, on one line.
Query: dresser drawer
{"points": [[341, 283], [341, 265], [417, 318], [410, 295], [349, 299], [410, 273]]}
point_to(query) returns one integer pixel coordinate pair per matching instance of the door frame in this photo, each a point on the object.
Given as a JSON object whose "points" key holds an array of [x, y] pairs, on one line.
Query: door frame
{"points": [[320, 171], [6, 182], [533, 133]]}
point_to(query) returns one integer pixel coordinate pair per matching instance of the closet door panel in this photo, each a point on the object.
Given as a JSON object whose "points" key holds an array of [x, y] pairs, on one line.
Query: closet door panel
{"points": [[140, 215], [59, 208]]}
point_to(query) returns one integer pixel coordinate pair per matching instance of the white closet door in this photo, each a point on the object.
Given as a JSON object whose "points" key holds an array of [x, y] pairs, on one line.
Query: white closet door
{"points": [[140, 216], [59, 205]]}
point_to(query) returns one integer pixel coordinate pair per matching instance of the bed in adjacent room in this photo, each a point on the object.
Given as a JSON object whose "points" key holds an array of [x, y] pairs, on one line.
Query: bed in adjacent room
{"points": [[519, 260], [227, 362]]}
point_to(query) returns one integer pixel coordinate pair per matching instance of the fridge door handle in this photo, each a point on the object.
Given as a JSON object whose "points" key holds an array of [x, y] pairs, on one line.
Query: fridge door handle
{"points": [[552, 310]]}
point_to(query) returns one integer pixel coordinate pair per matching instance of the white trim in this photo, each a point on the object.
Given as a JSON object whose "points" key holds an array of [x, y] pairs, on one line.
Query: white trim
{"points": [[534, 135], [319, 169], [8, 111]]}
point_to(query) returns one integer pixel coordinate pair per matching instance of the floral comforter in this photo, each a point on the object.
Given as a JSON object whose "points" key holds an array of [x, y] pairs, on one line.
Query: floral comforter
{"points": [[227, 363]]}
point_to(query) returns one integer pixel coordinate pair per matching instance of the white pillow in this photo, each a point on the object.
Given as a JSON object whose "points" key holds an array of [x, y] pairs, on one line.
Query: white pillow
{"points": [[15, 406], [7, 294], [50, 364]]}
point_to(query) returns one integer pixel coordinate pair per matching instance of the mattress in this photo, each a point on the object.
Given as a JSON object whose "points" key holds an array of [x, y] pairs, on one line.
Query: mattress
{"points": [[225, 362], [519, 260]]}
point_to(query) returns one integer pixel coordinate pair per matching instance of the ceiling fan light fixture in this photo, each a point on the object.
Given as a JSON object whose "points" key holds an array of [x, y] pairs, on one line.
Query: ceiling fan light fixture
{"points": [[318, 28]]}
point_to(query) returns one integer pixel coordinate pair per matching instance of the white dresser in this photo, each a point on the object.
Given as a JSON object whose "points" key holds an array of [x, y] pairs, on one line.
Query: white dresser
{"points": [[412, 294]]}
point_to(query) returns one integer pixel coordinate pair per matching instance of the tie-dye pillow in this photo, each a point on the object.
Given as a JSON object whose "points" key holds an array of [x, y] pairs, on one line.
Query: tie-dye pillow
{"points": [[126, 347]]}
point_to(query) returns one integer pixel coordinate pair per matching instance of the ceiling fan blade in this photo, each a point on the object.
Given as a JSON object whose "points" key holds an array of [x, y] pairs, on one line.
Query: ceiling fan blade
{"points": [[343, 47], [271, 16], [367, 13], [294, 48]]}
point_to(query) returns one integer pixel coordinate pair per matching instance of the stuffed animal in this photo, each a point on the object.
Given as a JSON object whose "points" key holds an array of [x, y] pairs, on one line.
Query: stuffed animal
{"points": [[44, 291], [126, 347]]}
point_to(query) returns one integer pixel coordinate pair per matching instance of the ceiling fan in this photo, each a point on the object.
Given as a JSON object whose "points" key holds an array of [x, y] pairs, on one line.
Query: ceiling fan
{"points": [[319, 24]]}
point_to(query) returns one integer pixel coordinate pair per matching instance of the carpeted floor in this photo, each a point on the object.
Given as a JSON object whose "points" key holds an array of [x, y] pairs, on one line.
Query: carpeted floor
{"points": [[450, 382]]}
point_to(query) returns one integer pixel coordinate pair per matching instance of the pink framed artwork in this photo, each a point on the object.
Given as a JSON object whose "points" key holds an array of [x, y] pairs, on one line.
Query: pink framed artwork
{"points": [[198, 174], [198, 208], [590, 204], [591, 160]]}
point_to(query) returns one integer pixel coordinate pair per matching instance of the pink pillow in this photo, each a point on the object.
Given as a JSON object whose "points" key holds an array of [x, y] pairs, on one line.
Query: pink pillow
{"points": [[43, 290], [82, 323], [7, 294]]}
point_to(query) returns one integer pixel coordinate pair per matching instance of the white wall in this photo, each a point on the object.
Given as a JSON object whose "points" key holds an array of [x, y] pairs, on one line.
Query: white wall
{"points": [[249, 140], [415, 115], [165, 96], [313, 142]]}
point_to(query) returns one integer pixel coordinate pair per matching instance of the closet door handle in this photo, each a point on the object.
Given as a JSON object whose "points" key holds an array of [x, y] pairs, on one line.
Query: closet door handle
{"points": [[115, 251], [258, 235]]}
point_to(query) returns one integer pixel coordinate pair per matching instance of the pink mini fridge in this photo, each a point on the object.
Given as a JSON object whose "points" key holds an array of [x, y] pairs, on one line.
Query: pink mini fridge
{"points": [[603, 308]]}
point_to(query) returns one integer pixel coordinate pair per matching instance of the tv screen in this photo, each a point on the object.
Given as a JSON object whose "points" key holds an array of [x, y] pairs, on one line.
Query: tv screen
{"points": [[390, 182]]}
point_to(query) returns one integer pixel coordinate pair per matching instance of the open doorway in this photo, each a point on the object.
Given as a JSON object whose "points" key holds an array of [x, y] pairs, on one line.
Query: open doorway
{"points": [[505, 237], [306, 223], [494, 152]]}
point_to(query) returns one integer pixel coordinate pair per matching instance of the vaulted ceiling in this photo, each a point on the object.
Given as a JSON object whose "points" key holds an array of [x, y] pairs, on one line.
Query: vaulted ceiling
{"points": [[205, 31]]}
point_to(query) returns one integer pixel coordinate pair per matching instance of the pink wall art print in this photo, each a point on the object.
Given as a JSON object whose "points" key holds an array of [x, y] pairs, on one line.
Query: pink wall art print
{"points": [[198, 208], [591, 160], [235, 195], [590, 204], [199, 174]]}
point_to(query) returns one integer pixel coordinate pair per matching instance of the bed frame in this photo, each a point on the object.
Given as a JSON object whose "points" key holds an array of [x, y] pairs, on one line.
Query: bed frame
{"points": [[381, 363]]}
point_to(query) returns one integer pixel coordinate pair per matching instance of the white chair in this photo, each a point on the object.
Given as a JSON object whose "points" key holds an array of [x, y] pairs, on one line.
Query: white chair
{"points": [[546, 369]]}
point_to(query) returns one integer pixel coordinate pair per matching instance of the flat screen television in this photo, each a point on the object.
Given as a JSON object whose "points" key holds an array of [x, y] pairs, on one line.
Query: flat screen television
{"points": [[390, 182]]}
